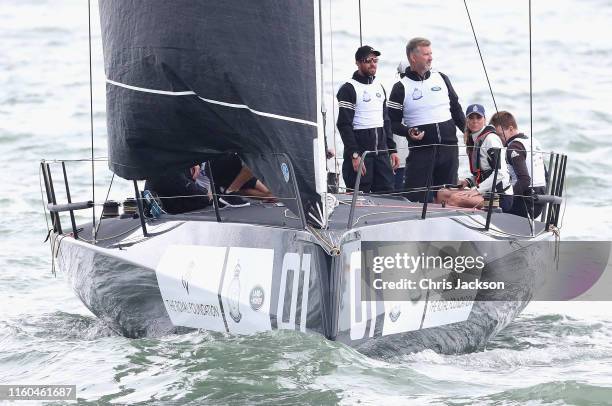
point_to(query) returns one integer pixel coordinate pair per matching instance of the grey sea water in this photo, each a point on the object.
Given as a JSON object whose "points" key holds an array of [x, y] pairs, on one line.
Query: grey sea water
{"points": [[554, 353]]}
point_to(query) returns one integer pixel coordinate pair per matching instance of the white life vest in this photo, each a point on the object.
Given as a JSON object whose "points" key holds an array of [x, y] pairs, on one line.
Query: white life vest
{"points": [[539, 176], [425, 101], [368, 105], [401, 144]]}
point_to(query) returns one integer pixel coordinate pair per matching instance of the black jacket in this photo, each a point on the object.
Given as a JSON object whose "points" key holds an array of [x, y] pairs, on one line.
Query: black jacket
{"points": [[519, 163], [366, 139], [442, 133]]}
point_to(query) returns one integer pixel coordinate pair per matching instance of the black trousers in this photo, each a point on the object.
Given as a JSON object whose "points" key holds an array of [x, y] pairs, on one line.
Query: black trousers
{"points": [[522, 206], [378, 177], [441, 161]]}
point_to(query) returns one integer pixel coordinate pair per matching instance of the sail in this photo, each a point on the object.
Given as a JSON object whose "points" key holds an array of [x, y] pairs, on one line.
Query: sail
{"points": [[191, 79]]}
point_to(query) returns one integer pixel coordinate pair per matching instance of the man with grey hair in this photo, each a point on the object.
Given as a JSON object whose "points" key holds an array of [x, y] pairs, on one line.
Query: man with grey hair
{"points": [[424, 108]]}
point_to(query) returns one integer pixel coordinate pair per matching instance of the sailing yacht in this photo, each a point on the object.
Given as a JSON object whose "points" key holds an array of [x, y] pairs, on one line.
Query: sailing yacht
{"points": [[187, 82]]}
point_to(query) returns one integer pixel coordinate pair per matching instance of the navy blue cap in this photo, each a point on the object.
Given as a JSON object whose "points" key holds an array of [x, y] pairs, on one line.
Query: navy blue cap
{"points": [[364, 51], [475, 108]]}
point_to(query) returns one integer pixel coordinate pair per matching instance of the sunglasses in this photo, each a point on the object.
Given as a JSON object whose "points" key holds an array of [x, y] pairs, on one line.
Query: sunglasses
{"points": [[369, 60]]}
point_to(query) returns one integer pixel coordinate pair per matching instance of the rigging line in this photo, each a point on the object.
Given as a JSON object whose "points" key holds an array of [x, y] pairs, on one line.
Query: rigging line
{"points": [[564, 207], [360, 33], [112, 236], [331, 50], [59, 161], [499, 231], [480, 53], [93, 183], [42, 199], [531, 114], [105, 200], [322, 90]]}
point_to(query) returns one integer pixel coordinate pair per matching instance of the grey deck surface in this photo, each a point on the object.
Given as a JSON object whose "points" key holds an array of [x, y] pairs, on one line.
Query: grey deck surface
{"points": [[369, 210]]}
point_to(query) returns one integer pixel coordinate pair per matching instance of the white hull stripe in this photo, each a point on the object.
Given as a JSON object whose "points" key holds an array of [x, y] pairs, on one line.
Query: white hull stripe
{"points": [[220, 103]]}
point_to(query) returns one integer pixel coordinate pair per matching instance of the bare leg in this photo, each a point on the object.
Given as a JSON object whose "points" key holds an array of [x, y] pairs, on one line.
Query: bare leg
{"points": [[243, 176], [443, 195], [469, 198], [460, 198], [259, 191]]}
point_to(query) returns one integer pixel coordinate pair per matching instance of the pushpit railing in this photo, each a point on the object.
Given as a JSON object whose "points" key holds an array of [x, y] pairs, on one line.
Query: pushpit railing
{"points": [[55, 209], [552, 199]]}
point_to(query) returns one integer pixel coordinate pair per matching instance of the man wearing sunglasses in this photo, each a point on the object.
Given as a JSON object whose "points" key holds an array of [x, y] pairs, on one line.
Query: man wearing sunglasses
{"points": [[425, 109], [364, 125]]}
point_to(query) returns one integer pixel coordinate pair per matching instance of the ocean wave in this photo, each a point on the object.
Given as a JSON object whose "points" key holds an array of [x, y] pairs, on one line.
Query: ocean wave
{"points": [[58, 326], [567, 392]]}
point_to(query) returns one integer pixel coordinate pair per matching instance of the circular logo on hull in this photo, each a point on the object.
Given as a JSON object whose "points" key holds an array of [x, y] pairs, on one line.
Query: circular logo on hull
{"points": [[257, 297]]}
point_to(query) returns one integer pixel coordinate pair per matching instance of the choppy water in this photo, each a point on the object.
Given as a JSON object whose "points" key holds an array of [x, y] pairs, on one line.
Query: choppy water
{"points": [[555, 353]]}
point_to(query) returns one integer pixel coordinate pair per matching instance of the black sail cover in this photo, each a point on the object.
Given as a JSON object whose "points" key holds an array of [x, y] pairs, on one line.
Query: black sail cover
{"points": [[188, 80]]}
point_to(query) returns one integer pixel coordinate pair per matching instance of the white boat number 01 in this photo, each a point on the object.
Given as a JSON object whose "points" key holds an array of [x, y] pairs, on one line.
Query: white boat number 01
{"points": [[295, 277]]}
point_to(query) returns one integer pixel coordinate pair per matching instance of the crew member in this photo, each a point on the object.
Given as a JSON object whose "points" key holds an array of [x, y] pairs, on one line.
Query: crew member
{"points": [[483, 146], [520, 160], [364, 125], [179, 191], [425, 109]]}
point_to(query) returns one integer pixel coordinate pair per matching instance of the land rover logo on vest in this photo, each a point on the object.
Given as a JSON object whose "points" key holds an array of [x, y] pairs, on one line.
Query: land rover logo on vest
{"points": [[436, 88], [257, 297], [233, 295], [285, 171], [366, 96]]}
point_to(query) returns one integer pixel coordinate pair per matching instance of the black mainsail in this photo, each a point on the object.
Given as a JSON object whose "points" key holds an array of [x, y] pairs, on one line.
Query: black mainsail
{"points": [[188, 80]]}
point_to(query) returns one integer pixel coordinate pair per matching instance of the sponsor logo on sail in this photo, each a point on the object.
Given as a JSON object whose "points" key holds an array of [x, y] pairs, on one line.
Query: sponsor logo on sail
{"points": [[285, 171]]}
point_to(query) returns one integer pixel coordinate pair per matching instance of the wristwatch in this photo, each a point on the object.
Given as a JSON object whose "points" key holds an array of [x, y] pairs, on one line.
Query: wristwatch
{"points": [[355, 155]]}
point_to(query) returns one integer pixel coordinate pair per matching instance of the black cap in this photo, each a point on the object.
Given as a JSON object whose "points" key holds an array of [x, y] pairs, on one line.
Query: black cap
{"points": [[364, 51]]}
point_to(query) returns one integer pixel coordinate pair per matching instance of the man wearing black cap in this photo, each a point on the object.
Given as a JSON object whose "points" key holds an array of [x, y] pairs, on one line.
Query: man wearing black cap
{"points": [[364, 125], [425, 109]]}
